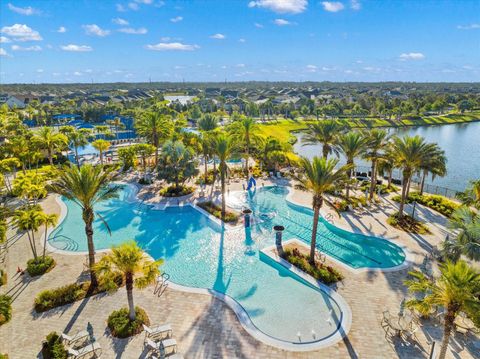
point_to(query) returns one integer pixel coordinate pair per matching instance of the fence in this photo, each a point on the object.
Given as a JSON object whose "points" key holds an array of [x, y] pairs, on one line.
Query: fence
{"points": [[433, 189]]}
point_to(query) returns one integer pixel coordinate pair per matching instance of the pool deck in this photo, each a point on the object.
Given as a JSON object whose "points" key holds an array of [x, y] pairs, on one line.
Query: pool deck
{"points": [[205, 327]]}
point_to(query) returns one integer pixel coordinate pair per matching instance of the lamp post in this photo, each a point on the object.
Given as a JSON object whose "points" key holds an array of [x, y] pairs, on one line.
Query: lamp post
{"points": [[413, 209]]}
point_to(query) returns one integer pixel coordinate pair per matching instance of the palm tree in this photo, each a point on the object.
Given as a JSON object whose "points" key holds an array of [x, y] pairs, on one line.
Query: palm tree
{"points": [[377, 141], [326, 133], [274, 152], [351, 145], [318, 177], [411, 153], [471, 196], [245, 132], [51, 141], [435, 163], [154, 126], [29, 221], [78, 138], [87, 186], [101, 146], [116, 123], [466, 241], [144, 150], [48, 220], [207, 124], [225, 147], [457, 290], [129, 262]]}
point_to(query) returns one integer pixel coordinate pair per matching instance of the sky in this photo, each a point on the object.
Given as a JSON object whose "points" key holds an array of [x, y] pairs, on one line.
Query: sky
{"points": [[50, 41]]}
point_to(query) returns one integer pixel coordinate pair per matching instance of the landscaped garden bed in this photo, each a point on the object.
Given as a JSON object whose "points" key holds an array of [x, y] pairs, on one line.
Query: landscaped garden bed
{"points": [[39, 266], [216, 211], [172, 191], [122, 327], [436, 202], [408, 224]]}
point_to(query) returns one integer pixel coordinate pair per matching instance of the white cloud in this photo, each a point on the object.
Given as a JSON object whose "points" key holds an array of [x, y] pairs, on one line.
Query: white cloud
{"points": [[281, 22], [129, 30], [29, 48], [77, 73], [120, 8], [146, 2], [332, 6], [19, 32], [40, 71], [133, 6], [281, 6], [469, 27], [171, 46], [240, 65], [165, 38], [95, 30], [242, 40], [3, 52], [23, 10], [176, 19], [355, 4], [311, 68], [258, 25], [120, 21], [76, 48], [412, 56], [218, 36], [4, 40], [62, 29]]}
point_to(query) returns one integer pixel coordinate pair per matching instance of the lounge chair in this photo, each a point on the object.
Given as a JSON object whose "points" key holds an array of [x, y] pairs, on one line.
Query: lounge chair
{"points": [[74, 340], [169, 356], [161, 346], [93, 348], [159, 330]]}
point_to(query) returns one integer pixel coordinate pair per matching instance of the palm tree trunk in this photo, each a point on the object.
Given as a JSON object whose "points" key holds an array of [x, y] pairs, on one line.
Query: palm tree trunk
{"points": [[76, 157], [206, 166], [222, 177], [31, 245], [404, 192], [447, 330], [50, 157], [390, 174], [373, 180], [350, 174], [325, 151], [101, 157], [423, 182], [129, 286], [88, 219], [247, 154], [45, 242], [313, 242]]}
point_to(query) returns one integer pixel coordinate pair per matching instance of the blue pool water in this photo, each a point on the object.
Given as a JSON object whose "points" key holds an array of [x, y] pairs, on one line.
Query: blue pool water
{"points": [[199, 253]]}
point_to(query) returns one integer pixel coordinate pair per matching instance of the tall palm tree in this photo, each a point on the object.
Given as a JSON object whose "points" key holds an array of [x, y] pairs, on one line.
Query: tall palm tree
{"points": [[116, 123], [245, 132], [128, 261], [351, 145], [457, 290], [87, 187], [78, 138], [435, 163], [319, 176], [466, 241], [144, 150], [48, 220], [471, 196], [225, 147], [206, 125], [411, 153], [101, 146], [377, 142], [29, 221], [156, 127], [50, 141], [326, 133]]}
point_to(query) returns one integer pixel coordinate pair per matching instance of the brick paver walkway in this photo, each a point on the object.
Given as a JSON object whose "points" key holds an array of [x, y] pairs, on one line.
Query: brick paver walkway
{"points": [[204, 327]]}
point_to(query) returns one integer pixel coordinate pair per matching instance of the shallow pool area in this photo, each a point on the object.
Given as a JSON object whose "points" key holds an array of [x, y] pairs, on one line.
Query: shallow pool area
{"points": [[199, 253]]}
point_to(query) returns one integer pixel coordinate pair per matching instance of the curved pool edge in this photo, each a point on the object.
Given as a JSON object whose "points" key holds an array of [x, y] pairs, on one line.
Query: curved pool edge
{"points": [[240, 312], [407, 262]]}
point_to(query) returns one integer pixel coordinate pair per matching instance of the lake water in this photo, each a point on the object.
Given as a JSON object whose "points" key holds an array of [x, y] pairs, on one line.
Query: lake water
{"points": [[461, 143]]}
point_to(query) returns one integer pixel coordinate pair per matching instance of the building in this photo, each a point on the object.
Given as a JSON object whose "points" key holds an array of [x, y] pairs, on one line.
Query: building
{"points": [[11, 101]]}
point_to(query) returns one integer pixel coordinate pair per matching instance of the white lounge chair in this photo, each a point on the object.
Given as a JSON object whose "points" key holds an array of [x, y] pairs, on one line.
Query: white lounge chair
{"points": [[162, 346], [73, 340], [159, 330], [93, 348]]}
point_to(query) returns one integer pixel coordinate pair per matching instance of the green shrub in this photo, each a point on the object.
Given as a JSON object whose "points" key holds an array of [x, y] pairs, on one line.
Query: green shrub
{"points": [[5, 308], [3, 277], [3, 356], [122, 327], [436, 202], [172, 191], [201, 178], [407, 224], [53, 347], [3, 231], [382, 187], [145, 181], [40, 266], [319, 271], [216, 211]]}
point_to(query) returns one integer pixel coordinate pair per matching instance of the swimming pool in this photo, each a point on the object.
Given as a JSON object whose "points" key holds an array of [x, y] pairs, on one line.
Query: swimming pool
{"points": [[199, 253]]}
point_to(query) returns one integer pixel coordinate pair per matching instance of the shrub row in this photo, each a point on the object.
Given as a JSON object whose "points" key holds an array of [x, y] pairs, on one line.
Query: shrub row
{"points": [[53, 347], [436, 202], [172, 191], [121, 326], [216, 211], [3, 277], [40, 265], [407, 223], [5, 308], [3, 230], [319, 271]]}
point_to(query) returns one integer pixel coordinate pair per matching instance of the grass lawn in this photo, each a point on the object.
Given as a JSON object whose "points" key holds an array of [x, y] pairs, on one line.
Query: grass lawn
{"points": [[282, 129]]}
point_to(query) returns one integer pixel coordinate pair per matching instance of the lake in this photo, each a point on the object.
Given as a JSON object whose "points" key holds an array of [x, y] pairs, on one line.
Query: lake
{"points": [[461, 143]]}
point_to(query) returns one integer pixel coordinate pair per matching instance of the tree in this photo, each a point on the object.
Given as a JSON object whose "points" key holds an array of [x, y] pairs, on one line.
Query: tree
{"points": [[225, 148], [101, 146], [351, 145], [434, 163], [411, 153], [87, 187], [129, 262], [245, 132], [78, 138], [156, 127], [471, 196], [48, 220], [207, 124], [144, 150], [127, 156], [51, 142], [29, 221], [7, 166], [466, 240], [319, 176], [274, 153], [324, 132], [176, 163], [376, 141], [457, 290], [30, 187], [116, 123]]}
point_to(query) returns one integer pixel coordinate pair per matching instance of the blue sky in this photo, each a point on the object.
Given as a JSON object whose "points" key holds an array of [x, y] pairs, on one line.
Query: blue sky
{"points": [[239, 40]]}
